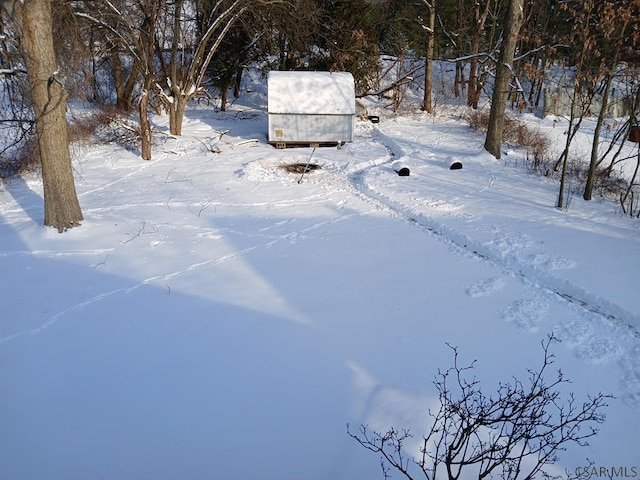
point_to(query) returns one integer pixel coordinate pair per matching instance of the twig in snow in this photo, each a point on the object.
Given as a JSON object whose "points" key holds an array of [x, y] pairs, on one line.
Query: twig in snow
{"points": [[168, 200], [141, 231], [204, 205], [102, 263], [166, 180]]}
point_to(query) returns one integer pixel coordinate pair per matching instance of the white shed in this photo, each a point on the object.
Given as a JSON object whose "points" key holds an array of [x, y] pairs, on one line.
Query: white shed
{"points": [[310, 108]]}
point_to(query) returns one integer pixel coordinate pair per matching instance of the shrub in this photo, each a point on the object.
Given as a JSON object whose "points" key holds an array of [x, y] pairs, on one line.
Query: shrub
{"points": [[535, 143], [513, 434], [83, 127]]}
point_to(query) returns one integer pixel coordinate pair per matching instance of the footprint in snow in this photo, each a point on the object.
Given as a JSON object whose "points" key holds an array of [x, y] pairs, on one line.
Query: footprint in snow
{"points": [[526, 314], [550, 261], [591, 347], [293, 238], [506, 244], [572, 333], [630, 382], [587, 345], [485, 287], [598, 350]]}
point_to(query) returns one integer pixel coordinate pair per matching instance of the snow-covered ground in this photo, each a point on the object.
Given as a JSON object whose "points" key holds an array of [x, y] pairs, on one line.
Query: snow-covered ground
{"points": [[216, 317]]}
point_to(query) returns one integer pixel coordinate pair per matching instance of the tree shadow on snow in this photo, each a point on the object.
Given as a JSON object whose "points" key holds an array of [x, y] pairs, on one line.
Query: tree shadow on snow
{"points": [[105, 377], [31, 202]]}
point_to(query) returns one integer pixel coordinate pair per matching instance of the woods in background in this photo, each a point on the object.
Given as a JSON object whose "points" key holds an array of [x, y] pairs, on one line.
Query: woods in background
{"points": [[131, 57]]}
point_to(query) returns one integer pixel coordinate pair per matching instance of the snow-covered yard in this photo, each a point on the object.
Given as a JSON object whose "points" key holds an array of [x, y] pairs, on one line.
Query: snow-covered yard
{"points": [[216, 317]]}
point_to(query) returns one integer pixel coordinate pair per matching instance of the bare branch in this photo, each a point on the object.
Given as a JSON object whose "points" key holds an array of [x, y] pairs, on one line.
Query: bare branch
{"points": [[514, 434]]}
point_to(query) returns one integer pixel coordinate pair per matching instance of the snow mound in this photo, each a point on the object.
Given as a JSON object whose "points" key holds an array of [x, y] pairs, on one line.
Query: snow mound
{"points": [[275, 170]]}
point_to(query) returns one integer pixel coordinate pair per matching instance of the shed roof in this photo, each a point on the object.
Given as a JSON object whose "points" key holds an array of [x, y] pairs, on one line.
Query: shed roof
{"points": [[328, 93]]}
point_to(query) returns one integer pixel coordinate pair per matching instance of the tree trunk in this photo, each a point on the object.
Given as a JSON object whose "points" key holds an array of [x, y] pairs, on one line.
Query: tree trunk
{"points": [[591, 175], [224, 94], [188, 85], [475, 83], [576, 100], [459, 76], [474, 90], [428, 66], [540, 74], [572, 130], [459, 79], [61, 206], [145, 126], [493, 142], [176, 113], [237, 81], [147, 65], [126, 93], [629, 190]]}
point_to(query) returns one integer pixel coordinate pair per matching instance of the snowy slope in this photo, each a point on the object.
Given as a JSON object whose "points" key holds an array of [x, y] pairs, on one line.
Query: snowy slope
{"points": [[218, 317]]}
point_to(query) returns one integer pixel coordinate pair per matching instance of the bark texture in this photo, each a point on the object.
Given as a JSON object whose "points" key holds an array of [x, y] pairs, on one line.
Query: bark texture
{"points": [[61, 206], [427, 105], [504, 72]]}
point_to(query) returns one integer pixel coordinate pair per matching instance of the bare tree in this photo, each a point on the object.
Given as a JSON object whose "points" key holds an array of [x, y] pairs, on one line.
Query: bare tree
{"points": [[582, 37], [119, 30], [129, 32], [61, 206], [148, 50], [542, 27], [349, 36], [17, 124], [513, 434], [187, 72], [613, 23], [504, 73], [475, 82], [290, 30], [430, 48], [457, 45]]}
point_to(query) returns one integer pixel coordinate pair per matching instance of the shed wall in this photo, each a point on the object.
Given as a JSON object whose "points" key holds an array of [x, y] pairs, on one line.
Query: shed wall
{"points": [[310, 128]]}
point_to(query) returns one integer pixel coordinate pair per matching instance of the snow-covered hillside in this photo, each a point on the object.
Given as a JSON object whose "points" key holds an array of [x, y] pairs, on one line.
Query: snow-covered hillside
{"points": [[217, 317]]}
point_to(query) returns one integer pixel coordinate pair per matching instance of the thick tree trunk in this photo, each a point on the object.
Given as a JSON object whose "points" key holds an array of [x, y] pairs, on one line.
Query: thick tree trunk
{"points": [[493, 142], [61, 206]]}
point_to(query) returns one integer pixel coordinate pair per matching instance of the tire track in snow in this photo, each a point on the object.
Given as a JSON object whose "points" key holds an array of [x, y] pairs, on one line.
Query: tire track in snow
{"points": [[461, 243]]}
